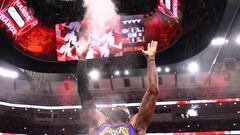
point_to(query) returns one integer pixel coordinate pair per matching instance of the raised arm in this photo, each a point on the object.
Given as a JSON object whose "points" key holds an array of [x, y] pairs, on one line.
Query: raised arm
{"points": [[94, 117], [142, 119]]}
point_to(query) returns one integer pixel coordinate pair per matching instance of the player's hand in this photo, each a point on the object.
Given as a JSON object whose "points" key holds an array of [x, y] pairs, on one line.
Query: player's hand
{"points": [[82, 49], [151, 50]]}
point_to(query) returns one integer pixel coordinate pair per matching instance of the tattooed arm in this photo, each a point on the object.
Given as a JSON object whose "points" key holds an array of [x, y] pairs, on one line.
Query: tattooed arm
{"points": [[142, 119]]}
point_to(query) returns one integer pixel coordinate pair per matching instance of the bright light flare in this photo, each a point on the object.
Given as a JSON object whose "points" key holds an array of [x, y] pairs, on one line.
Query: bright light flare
{"points": [[94, 74], [219, 41], [238, 39], [8, 73], [159, 69], [193, 111], [193, 67], [167, 69], [126, 72], [117, 73]]}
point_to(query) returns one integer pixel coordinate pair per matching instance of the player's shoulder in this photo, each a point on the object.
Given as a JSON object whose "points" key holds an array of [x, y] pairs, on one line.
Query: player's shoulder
{"points": [[140, 129], [132, 120]]}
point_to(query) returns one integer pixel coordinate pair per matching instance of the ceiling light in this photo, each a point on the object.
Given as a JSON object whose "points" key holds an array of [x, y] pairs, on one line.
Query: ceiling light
{"points": [[117, 73], [159, 69], [167, 69], [193, 67], [126, 72], [219, 41], [8, 73], [238, 39], [94, 74]]}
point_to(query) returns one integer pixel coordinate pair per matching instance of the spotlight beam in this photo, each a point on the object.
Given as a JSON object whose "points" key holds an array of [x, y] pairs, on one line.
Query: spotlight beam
{"points": [[220, 48]]}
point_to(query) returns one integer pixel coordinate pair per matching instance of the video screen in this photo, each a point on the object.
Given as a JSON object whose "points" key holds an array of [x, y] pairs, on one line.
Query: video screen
{"points": [[124, 35], [112, 43]]}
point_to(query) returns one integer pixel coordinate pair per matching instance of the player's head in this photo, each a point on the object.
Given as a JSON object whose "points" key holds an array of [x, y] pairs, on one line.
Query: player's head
{"points": [[119, 114]]}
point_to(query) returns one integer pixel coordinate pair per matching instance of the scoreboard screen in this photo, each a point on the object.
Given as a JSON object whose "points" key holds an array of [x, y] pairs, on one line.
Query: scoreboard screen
{"points": [[132, 29]]}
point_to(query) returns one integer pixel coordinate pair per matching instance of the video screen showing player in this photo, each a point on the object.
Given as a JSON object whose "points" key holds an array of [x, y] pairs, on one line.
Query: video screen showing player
{"points": [[108, 44], [67, 36]]}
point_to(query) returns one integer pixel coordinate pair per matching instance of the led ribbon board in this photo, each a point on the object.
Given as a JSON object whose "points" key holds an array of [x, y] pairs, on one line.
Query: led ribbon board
{"points": [[16, 17]]}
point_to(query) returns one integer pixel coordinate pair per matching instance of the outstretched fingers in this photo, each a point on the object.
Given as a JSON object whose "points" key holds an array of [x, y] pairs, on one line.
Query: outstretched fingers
{"points": [[154, 43], [151, 50]]}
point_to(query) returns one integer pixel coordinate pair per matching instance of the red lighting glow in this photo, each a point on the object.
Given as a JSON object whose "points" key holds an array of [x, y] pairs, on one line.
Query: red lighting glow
{"points": [[16, 17]]}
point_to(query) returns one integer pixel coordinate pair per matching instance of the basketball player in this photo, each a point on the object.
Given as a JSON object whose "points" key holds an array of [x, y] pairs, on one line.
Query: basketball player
{"points": [[120, 122]]}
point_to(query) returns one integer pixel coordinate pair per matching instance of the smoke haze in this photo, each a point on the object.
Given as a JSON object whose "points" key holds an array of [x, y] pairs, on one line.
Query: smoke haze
{"points": [[102, 13]]}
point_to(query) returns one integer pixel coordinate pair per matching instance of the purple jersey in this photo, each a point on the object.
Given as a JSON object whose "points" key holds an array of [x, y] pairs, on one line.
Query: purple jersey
{"points": [[107, 129]]}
